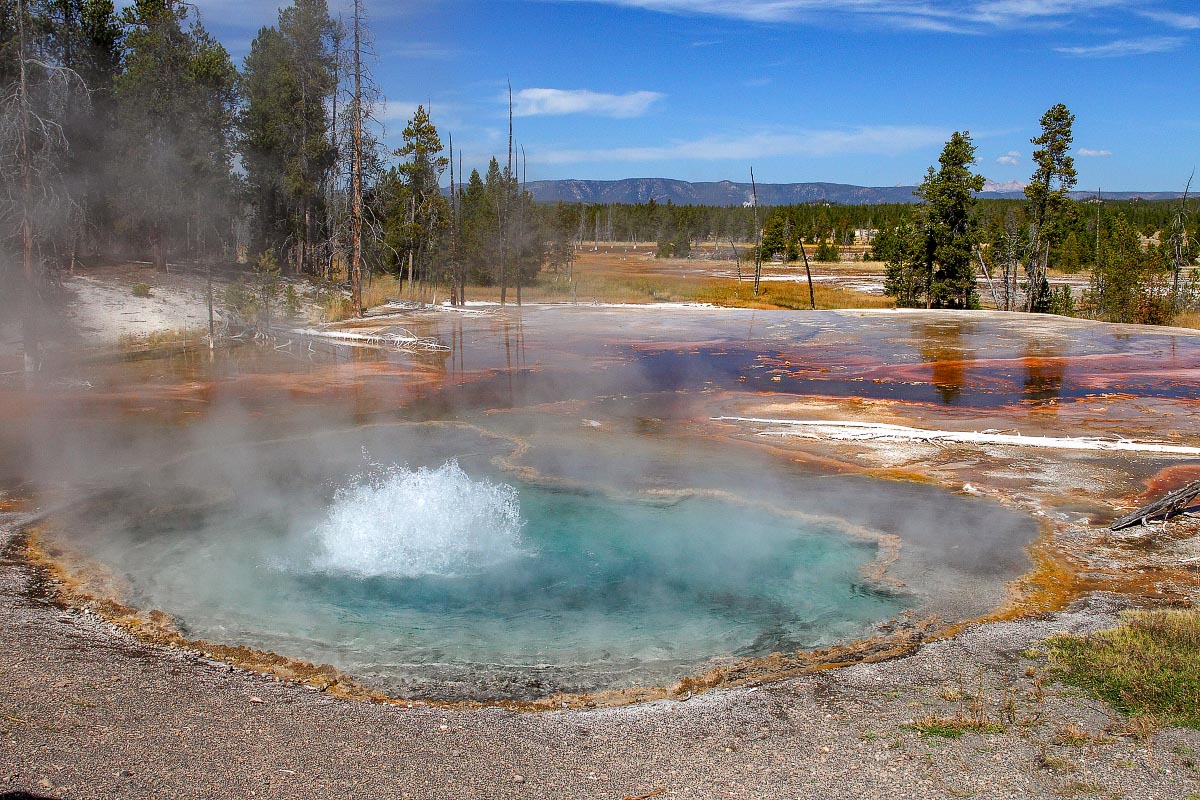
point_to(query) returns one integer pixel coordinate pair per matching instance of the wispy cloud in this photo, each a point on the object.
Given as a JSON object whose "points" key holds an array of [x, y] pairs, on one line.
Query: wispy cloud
{"points": [[951, 16], [396, 111], [430, 51], [557, 102], [1010, 159], [1086, 153], [874, 140], [1183, 22], [254, 13], [1126, 47]]}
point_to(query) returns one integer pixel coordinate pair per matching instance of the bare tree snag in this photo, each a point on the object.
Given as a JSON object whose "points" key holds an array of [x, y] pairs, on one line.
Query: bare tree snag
{"points": [[356, 171], [757, 236], [1171, 504]]}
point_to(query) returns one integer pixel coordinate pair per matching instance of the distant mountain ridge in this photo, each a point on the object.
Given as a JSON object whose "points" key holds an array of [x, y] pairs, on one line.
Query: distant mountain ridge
{"points": [[729, 193]]}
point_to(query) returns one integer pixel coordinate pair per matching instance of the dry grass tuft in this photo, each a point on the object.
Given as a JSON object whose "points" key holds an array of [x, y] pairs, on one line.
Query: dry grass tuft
{"points": [[1140, 727], [1054, 763], [180, 338], [1187, 319], [1071, 735], [786, 294], [1148, 667]]}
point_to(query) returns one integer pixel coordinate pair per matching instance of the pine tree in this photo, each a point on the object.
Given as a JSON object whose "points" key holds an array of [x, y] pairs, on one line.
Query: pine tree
{"points": [[903, 248], [1129, 284], [479, 237], [94, 49], [265, 137], [1049, 198], [175, 105], [288, 81], [950, 226], [420, 175]]}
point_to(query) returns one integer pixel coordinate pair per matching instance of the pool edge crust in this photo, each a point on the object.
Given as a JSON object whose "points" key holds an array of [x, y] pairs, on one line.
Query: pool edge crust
{"points": [[55, 581]]}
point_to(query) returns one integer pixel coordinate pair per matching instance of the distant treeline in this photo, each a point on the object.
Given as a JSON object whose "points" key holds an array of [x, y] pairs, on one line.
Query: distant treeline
{"points": [[132, 133], [813, 223]]}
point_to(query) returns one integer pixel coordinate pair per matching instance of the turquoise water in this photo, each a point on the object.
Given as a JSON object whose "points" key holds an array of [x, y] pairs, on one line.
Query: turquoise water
{"points": [[436, 582]]}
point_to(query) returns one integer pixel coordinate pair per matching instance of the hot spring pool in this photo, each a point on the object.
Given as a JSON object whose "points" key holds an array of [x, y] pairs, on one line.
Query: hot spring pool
{"points": [[557, 509], [439, 582]]}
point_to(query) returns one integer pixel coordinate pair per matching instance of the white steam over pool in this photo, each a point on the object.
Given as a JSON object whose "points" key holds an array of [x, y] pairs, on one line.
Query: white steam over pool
{"points": [[402, 523]]}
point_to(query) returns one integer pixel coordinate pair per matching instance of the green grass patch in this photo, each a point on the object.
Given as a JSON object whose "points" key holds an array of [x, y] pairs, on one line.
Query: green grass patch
{"points": [[952, 727], [1147, 666]]}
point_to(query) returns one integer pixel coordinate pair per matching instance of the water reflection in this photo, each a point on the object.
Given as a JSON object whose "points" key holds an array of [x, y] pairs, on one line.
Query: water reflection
{"points": [[941, 346], [1045, 372]]}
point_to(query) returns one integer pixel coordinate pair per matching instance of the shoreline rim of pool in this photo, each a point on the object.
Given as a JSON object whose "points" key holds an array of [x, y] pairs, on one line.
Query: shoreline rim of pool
{"points": [[53, 582], [895, 636]]}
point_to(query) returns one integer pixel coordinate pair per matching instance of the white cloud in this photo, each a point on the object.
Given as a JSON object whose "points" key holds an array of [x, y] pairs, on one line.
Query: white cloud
{"points": [[875, 140], [952, 16], [1184, 22], [396, 111], [428, 51], [1086, 153], [1126, 47], [557, 102], [1010, 159]]}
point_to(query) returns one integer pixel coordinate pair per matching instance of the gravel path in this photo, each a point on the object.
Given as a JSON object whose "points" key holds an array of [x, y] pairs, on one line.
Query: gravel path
{"points": [[87, 711]]}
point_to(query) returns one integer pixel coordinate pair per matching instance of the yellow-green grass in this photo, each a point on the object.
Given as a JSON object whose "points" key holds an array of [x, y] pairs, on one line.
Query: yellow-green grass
{"points": [[1147, 666], [179, 337], [786, 294], [954, 726], [610, 279], [1187, 319]]}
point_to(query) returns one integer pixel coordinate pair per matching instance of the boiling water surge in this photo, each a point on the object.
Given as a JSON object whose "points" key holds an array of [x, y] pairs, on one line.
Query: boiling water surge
{"points": [[433, 581], [400, 523]]}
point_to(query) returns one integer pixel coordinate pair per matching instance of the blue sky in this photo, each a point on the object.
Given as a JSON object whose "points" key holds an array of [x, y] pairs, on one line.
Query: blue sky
{"points": [[849, 91]]}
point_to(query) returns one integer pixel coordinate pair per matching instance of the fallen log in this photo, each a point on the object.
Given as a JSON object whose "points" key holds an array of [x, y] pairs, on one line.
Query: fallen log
{"points": [[1169, 505]]}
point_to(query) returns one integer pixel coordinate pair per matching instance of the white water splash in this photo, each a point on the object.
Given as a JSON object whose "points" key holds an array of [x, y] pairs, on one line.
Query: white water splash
{"points": [[426, 522]]}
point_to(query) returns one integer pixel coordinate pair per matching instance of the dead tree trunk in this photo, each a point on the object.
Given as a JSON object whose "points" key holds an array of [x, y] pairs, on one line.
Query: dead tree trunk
{"points": [[757, 236], [986, 274], [503, 210], [29, 333], [1180, 245], [812, 295], [412, 222], [522, 233], [356, 171], [1171, 504]]}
